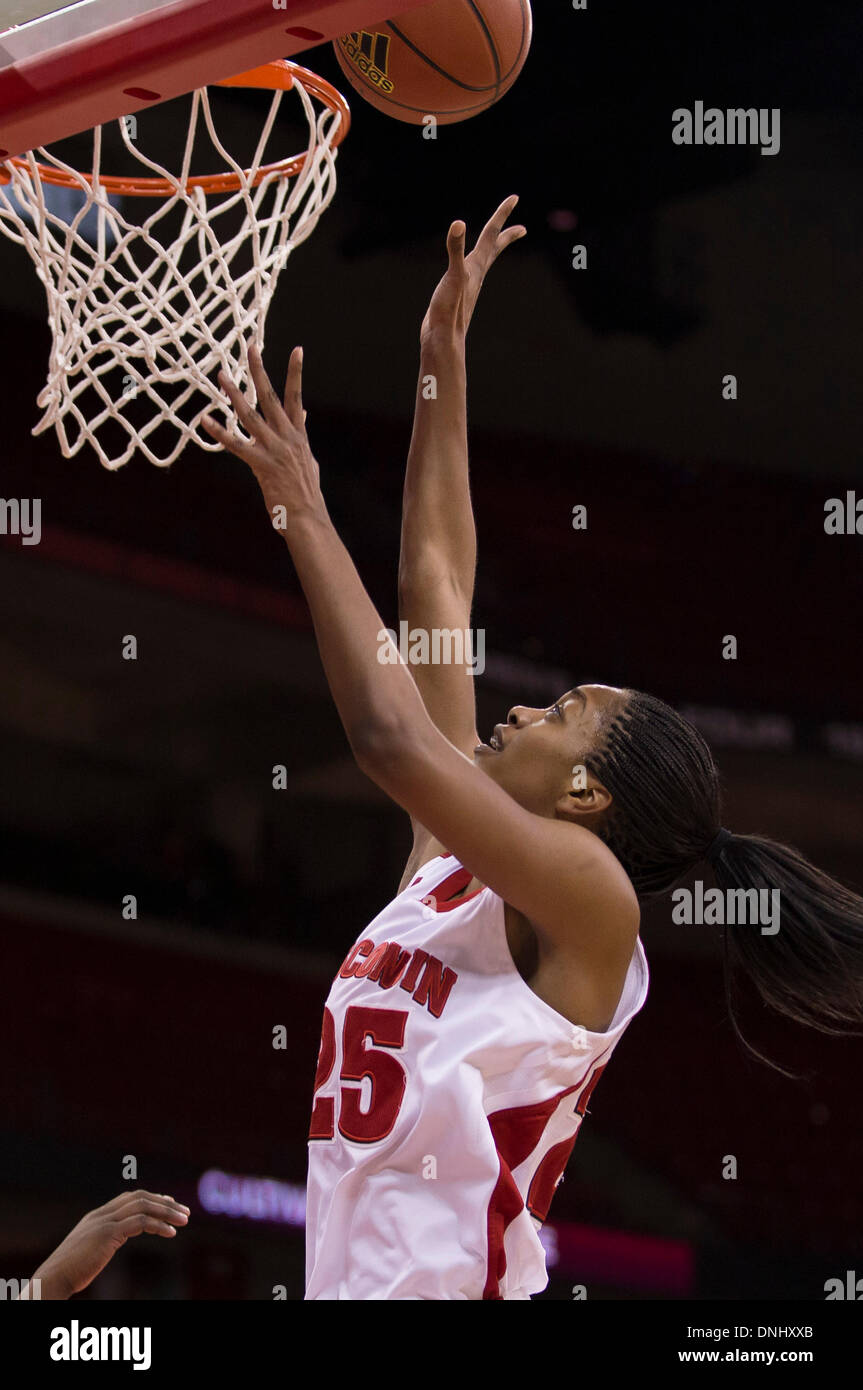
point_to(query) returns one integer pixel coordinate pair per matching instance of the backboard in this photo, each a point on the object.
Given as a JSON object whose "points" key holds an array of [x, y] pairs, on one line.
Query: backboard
{"points": [[65, 68]]}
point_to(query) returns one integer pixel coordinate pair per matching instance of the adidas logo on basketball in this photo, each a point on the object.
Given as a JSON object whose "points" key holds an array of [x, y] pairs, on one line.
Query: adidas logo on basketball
{"points": [[368, 53]]}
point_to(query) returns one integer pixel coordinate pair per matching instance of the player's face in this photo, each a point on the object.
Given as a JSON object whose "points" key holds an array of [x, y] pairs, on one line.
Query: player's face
{"points": [[533, 755]]}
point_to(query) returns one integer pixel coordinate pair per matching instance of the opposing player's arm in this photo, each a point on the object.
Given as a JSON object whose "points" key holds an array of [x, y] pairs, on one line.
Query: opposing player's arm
{"points": [[98, 1236]]}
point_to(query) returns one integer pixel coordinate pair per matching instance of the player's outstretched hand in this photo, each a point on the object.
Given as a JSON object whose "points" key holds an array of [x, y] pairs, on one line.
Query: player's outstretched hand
{"points": [[98, 1236], [278, 451], [454, 300]]}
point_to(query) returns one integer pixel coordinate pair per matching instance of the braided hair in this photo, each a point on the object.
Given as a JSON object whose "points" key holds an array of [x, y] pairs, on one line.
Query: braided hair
{"points": [[665, 813]]}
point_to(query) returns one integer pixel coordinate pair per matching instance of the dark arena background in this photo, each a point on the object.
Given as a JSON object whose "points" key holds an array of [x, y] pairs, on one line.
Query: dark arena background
{"points": [[152, 1036]]}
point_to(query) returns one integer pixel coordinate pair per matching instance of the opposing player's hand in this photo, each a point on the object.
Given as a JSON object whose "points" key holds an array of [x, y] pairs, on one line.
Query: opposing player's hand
{"points": [[454, 300], [278, 450], [98, 1236]]}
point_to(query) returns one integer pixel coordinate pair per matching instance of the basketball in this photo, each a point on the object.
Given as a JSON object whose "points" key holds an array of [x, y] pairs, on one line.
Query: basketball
{"points": [[449, 60]]}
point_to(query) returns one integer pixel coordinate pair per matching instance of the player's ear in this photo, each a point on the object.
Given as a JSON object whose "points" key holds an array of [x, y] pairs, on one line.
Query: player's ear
{"points": [[582, 804]]}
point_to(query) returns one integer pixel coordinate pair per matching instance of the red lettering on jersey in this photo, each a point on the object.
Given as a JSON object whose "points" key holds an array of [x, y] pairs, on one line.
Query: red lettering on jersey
{"points": [[435, 985], [413, 970], [385, 1028], [374, 959], [362, 948], [390, 966], [323, 1110]]}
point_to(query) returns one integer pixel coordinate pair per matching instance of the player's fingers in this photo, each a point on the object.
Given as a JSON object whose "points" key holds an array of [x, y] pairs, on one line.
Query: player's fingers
{"points": [[234, 443], [510, 235], [253, 423], [124, 1202], [128, 1200], [294, 389], [494, 237], [268, 401], [147, 1212], [149, 1204], [495, 223], [170, 1209], [455, 246], [139, 1223]]}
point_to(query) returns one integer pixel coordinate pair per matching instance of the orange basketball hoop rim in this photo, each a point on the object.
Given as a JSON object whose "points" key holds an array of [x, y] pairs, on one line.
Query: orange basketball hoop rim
{"points": [[279, 75]]}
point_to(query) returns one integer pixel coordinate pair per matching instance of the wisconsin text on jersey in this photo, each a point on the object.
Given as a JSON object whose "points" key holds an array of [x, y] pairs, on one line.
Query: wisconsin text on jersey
{"points": [[443, 1117], [388, 964]]}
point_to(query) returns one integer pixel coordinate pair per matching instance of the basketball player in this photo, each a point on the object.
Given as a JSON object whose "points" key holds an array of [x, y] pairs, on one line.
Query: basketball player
{"points": [[471, 1019]]}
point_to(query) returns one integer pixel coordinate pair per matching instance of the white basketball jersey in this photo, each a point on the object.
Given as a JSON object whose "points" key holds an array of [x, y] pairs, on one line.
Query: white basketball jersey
{"points": [[448, 1097]]}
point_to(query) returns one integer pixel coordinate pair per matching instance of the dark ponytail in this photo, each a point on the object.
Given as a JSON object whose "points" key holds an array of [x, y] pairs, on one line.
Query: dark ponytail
{"points": [[665, 816], [811, 970]]}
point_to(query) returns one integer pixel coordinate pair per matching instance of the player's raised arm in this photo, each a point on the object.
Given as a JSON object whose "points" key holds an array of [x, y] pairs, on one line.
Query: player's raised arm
{"points": [[558, 875], [438, 541]]}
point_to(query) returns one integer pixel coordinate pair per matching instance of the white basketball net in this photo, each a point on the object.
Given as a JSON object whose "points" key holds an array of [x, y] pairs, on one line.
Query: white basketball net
{"points": [[152, 323]]}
